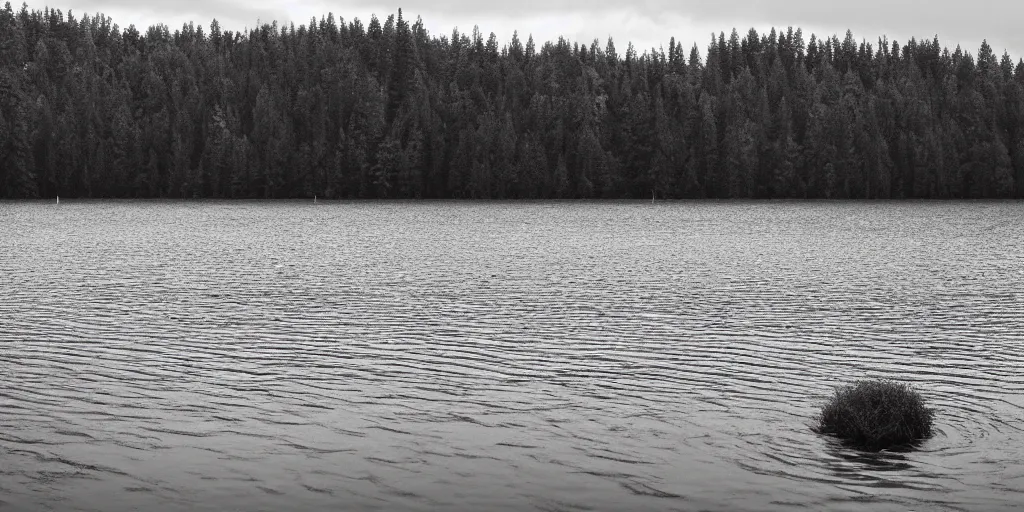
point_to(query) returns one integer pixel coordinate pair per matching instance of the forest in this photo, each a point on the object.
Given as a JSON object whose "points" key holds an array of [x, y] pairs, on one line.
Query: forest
{"points": [[336, 109]]}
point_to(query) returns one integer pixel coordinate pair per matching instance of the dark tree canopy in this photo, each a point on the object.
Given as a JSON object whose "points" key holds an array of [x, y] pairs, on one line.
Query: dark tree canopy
{"points": [[339, 110]]}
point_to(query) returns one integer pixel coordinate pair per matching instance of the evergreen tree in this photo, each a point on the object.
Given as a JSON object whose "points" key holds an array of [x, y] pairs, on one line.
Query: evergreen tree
{"points": [[340, 109]]}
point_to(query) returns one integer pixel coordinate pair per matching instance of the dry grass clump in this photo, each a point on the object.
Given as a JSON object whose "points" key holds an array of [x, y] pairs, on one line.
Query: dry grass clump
{"points": [[876, 414]]}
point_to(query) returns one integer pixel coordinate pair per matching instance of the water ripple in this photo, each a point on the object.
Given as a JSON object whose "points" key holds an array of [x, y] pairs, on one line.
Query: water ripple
{"points": [[502, 356]]}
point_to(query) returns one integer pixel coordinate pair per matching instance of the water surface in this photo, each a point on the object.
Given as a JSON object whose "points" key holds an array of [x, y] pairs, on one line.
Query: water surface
{"points": [[174, 356]]}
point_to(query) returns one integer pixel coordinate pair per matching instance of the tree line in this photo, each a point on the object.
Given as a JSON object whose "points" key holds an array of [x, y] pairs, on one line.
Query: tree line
{"points": [[337, 109]]}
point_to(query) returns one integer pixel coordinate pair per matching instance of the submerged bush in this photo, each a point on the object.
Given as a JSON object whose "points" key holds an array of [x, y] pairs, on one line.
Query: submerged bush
{"points": [[877, 414]]}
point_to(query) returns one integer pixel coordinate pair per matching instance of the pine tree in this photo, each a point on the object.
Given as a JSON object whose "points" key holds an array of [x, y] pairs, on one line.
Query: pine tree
{"points": [[16, 156], [343, 110]]}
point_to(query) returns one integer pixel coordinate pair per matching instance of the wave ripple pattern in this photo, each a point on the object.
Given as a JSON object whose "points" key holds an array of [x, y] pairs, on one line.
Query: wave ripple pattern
{"points": [[175, 356]]}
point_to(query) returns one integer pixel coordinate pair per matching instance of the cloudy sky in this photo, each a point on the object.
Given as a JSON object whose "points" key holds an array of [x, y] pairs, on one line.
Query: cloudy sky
{"points": [[647, 23]]}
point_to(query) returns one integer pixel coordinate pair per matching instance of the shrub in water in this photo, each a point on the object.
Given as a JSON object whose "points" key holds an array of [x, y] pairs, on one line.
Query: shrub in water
{"points": [[876, 414]]}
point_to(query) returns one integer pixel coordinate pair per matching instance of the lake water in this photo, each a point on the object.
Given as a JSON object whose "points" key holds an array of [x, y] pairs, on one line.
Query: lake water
{"points": [[267, 356]]}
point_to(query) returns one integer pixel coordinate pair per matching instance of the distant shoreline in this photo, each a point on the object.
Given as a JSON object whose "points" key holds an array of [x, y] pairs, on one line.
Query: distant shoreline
{"points": [[388, 110], [69, 200]]}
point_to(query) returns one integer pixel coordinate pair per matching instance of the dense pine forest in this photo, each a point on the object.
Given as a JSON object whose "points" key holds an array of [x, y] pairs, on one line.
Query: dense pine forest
{"points": [[337, 109]]}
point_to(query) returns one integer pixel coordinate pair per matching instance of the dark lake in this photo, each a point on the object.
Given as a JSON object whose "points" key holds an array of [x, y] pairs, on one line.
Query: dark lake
{"points": [[269, 356]]}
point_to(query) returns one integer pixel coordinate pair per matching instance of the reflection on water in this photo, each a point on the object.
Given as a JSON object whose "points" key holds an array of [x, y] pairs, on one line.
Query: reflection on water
{"points": [[853, 463], [502, 356]]}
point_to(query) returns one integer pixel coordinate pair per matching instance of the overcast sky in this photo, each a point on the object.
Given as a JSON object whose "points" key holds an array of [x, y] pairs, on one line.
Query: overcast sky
{"points": [[647, 23]]}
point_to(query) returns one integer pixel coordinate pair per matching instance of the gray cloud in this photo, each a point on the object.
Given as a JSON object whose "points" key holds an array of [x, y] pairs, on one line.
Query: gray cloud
{"points": [[233, 14], [995, 20], [651, 22], [933, 16]]}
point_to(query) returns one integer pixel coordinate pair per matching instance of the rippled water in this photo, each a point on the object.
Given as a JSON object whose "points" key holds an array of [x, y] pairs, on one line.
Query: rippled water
{"points": [[274, 356]]}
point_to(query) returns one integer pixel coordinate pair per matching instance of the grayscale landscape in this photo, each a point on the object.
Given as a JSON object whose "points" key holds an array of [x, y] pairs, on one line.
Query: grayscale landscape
{"points": [[554, 256]]}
